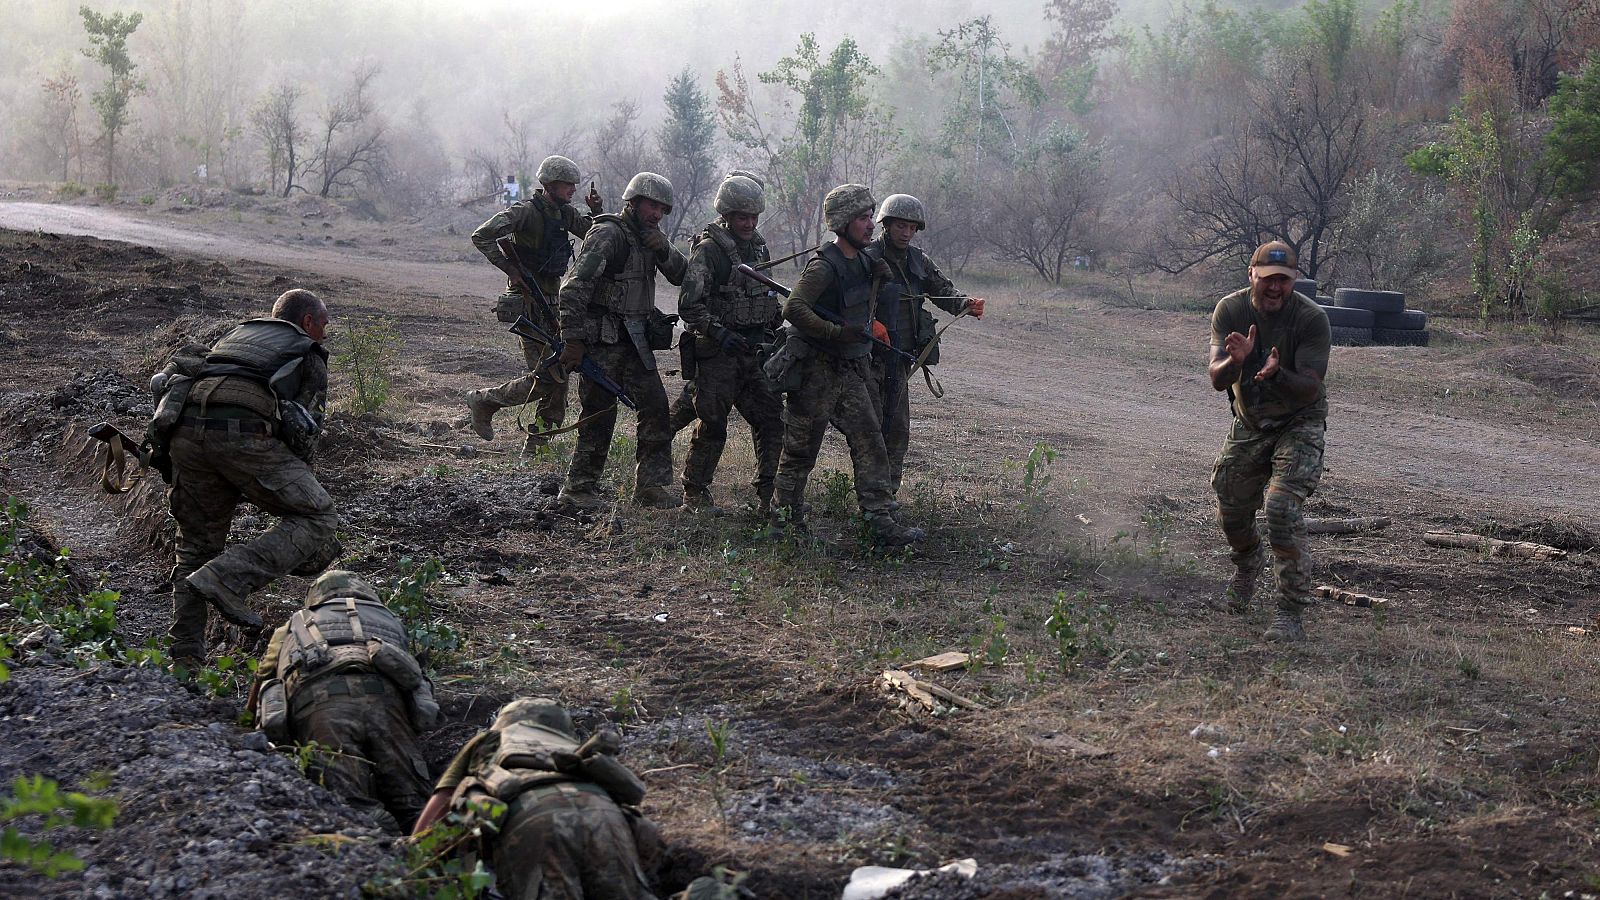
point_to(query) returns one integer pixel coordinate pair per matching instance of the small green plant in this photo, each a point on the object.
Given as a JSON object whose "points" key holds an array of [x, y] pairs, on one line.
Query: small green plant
{"points": [[226, 677], [1079, 628], [993, 648], [838, 493], [366, 353], [39, 796], [1469, 668], [622, 703], [1036, 474], [71, 190], [437, 864], [432, 639], [441, 470], [105, 192], [148, 200], [718, 734]]}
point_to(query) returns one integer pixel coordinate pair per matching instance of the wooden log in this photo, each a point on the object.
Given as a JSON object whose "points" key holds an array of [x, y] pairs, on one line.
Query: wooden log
{"points": [[943, 662], [1349, 598], [1492, 546], [924, 692], [1346, 526]]}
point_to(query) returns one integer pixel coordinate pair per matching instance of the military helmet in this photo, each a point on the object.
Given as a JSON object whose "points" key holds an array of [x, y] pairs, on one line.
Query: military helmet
{"points": [[649, 184], [541, 712], [844, 203], [746, 173], [337, 584], [903, 206], [558, 168], [740, 194]]}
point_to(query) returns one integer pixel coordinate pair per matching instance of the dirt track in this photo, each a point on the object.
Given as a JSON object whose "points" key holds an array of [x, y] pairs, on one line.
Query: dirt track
{"points": [[1446, 739], [1154, 427]]}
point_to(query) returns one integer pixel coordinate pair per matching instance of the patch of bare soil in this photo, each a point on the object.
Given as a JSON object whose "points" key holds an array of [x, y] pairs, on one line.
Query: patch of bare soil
{"points": [[1438, 739]]}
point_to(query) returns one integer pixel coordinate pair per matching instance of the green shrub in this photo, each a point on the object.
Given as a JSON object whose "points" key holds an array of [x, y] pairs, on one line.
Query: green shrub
{"points": [[366, 352]]}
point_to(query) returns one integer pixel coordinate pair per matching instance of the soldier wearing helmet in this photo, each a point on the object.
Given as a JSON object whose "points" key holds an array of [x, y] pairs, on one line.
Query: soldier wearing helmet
{"points": [[539, 226], [340, 673], [830, 314], [727, 316], [608, 313], [914, 282]]}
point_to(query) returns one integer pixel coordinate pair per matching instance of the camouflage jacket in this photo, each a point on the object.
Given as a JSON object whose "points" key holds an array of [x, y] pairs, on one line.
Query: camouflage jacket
{"points": [[528, 223]]}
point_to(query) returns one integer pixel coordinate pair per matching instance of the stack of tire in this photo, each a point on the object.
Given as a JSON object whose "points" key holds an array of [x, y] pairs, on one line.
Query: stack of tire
{"points": [[1360, 317]]}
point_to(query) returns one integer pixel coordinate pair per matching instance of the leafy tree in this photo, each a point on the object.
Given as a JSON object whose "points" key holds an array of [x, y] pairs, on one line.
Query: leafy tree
{"points": [[1080, 32], [687, 142], [108, 45], [1042, 212], [59, 120], [1573, 146], [990, 84]]}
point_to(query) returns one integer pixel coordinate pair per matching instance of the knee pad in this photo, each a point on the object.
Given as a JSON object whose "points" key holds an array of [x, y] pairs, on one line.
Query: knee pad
{"points": [[1283, 518]]}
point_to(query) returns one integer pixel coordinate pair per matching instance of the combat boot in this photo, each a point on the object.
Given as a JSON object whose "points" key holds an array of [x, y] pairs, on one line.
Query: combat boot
{"points": [[533, 443], [234, 609], [700, 500], [482, 410], [788, 521], [886, 532], [1242, 587], [655, 497], [1286, 628], [581, 498]]}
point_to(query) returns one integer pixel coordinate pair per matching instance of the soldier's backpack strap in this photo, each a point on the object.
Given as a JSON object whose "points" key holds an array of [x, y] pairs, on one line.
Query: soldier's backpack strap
{"points": [[357, 635]]}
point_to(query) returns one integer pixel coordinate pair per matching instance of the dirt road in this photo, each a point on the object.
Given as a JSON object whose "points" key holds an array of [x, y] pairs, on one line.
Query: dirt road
{"points": [[1088, 387]]}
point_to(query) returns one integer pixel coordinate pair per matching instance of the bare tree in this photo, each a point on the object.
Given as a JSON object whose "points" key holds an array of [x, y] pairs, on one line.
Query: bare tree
{"points": [[1041, 210], [351, 141], [276, 120], [519, 151], [59, 121], [621, 145]]}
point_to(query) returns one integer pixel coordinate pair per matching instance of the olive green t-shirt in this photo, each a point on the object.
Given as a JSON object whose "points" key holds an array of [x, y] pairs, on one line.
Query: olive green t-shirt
{"points": [[1300, 333], [469, 759]]}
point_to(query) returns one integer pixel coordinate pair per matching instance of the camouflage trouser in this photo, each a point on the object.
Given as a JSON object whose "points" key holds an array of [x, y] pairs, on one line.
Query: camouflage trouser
{"points": [[1287, 462], [721, 384], [654, 433], [548, 396], [833, 390], [567, 842], [373, 760], [211, 472], [891, 392]]}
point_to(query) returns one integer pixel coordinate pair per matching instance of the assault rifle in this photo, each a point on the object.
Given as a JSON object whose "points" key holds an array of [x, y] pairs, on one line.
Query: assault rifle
{"points": [[526, 328], [745, 270]]}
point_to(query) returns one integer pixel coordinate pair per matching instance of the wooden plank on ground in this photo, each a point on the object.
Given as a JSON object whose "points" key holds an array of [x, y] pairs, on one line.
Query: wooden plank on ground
{"points": [[1493, 547], [942, 662]]}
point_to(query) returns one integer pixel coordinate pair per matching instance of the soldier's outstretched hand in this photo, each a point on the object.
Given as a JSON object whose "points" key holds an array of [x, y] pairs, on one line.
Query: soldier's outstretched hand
{"points": [[1270, 367], [596, 205], [1239, 346], [975, 307]]}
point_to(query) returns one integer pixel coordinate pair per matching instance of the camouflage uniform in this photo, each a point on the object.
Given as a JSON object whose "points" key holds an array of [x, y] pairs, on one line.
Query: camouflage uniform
{"points": [[336, 696], [563, 836], [1273, 444], [833, 383], [910, 329], [224, 451], [607, 301], [539, 227], [715, 302]]}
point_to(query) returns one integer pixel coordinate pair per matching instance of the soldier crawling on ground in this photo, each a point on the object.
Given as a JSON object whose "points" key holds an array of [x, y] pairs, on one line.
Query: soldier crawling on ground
{"points": [[1269, 350], [538, 226], [338, 674]]}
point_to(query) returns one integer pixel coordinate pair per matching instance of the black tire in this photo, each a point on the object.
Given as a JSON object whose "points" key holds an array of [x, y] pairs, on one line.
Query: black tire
{"points": [[1400, 337], [1307, 286], [1377, 301], [1339, 317], [1405, 320], [1350, 337]]}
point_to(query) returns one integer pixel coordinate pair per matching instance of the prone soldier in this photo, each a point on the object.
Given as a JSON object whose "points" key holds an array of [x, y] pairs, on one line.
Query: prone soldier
{"points": [[1269, 350], [570, 827], [338, 673], [913, 282], [608, 313], [727, 316], [539, 227]]}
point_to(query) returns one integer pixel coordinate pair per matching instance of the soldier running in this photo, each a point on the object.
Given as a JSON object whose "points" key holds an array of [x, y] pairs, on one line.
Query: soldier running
{"points": [[1269, 350], [915, 281], [728, 315], [539, 226]]}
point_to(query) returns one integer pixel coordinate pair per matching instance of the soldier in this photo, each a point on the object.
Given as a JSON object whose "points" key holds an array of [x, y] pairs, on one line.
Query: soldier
{"points": [[246, 431], [338, 673], [727, 316], [571, 828], [539, 226], [914, 280], [831, 313], [608, 313], [1269, 350]]}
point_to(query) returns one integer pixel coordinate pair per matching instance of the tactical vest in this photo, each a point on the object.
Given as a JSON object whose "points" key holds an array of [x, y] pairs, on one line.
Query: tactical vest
{"points": [[627, 288], [253, 366], [526, 758], [550, 250], [740, 302], [346, 634], [847, 302], [898, 312]]}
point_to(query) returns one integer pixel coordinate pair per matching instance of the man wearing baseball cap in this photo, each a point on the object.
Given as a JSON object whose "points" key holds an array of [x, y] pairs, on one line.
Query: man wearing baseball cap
{"points": [[1269, 351]]}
